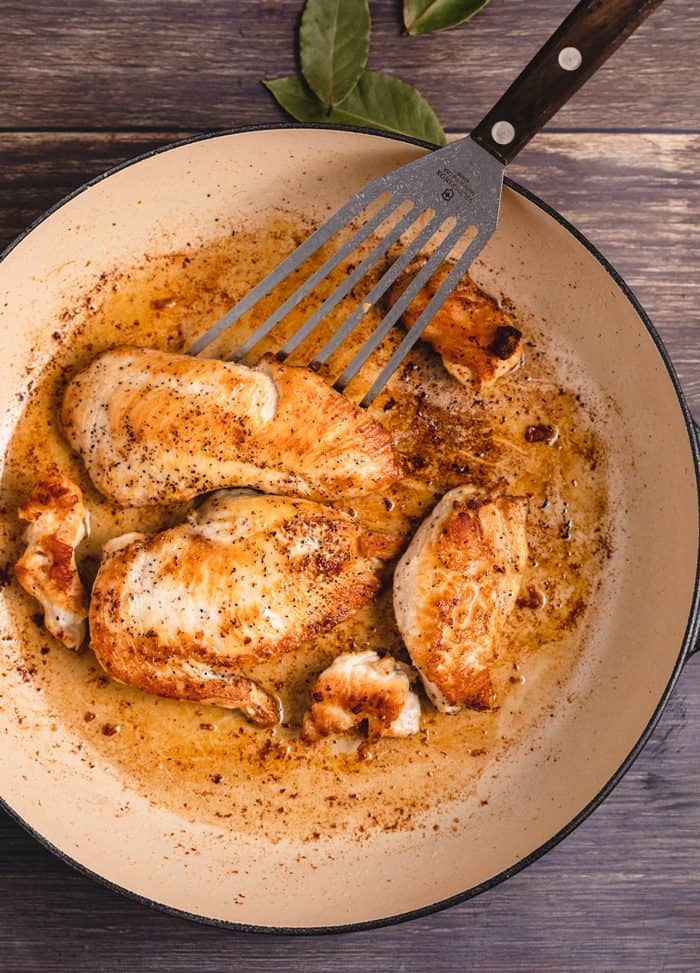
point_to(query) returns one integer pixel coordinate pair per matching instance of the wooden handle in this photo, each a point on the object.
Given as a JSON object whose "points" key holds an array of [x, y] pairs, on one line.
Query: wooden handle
{"points": [[588, 36]]}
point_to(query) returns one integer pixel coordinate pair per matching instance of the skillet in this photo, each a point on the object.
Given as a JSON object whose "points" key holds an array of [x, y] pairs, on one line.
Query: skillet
{"points": [[641, 631]]}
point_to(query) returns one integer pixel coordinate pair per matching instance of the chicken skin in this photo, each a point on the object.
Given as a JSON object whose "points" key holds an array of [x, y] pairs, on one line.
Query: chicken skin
{"points": [[58, 522], [189, 612], [360, 686], [474, 336], [154, 427], [455, 587]]}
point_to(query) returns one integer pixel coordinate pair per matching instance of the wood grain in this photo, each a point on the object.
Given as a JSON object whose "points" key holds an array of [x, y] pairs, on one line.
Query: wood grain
{"points": [[621, 894], [37, 169], [182, 64]]}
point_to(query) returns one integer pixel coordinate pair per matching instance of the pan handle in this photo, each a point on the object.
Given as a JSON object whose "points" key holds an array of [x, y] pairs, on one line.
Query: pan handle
{"points": [[588, 36]]}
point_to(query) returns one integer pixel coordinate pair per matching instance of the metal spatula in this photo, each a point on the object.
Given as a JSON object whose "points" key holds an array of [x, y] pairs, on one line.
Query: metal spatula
{"points": [[449, 193]]}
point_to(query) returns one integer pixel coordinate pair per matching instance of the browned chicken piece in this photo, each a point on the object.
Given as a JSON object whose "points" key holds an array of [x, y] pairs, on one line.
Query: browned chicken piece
{"points": [[455, 587], [154, 427], [360, 686], [190, 612], [475, 337], [58, 522]]}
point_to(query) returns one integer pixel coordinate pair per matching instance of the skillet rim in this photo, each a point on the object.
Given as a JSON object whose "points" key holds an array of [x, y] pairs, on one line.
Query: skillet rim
{"points": [[688, 643]]}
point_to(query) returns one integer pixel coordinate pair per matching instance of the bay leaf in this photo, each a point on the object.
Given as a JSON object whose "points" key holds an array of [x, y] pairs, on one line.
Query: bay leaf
{"points": [[297, 99], [333, 46], [425, 16], [378, 101]]}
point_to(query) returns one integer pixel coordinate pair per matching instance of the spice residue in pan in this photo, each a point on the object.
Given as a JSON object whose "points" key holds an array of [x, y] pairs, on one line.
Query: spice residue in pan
{"points": [[209, 764]]}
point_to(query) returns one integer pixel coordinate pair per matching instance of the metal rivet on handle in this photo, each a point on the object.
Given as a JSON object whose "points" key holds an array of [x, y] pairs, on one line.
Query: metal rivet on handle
{"points": [[570, 58], [503, 133]]}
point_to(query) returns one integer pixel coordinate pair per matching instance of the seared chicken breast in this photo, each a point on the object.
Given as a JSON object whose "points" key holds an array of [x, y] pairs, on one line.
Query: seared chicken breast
{"points": [[58, 522], [474, 336], [189, 612], [454, 588], [154, 427], [360, 686]]}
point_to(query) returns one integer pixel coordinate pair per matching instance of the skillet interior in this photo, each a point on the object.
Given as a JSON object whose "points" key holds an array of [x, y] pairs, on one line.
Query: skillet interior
{"points": [[639, 623]]}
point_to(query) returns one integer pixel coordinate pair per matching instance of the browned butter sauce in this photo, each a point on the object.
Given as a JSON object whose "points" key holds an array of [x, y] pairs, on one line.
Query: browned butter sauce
{"points": [[208, 764]]}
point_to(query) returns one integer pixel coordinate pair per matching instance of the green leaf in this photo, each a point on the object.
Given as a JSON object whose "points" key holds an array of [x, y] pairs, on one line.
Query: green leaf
{"points": [[424, 16], [297, 99], [333, 45], [378, 101], [384, 102]]}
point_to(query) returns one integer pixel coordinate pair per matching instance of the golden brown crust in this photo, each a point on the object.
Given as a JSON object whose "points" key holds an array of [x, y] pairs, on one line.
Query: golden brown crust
{"points": [[374, 543], [318, 430], [155, 427], [454, 589], [61, 569], [475, 337], [47, 570], [189, 612], [359, 687], [143, 661], [53, 491]]}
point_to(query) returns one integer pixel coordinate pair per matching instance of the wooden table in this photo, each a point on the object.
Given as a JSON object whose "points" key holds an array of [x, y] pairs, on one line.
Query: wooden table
{"points": [[88, 83]]}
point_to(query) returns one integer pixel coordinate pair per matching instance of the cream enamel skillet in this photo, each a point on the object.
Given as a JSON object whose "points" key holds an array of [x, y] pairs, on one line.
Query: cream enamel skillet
{"points": [[640, 631]]}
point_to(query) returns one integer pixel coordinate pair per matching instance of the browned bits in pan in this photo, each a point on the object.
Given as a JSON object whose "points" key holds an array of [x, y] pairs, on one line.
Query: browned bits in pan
{"points": [[532, 598], [539, 434], [505, 341]]}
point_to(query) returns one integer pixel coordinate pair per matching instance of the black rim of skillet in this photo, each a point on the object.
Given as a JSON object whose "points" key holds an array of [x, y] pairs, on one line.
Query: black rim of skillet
{"points": [[688, 644]]}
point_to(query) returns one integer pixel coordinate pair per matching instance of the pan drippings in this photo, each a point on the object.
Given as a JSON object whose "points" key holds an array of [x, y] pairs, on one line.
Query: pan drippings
{"points": [[208, 764]]}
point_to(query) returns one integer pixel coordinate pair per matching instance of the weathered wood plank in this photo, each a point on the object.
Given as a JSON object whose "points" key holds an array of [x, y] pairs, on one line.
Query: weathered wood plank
{"points": [[108, 64], [631, 194], [37, 169]]}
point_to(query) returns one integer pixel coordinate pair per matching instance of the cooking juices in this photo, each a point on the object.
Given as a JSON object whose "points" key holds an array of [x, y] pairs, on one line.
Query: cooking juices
{"points": [[531, 429]]}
